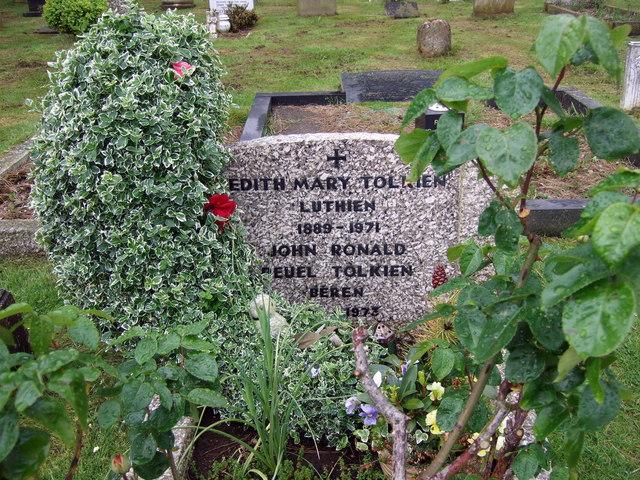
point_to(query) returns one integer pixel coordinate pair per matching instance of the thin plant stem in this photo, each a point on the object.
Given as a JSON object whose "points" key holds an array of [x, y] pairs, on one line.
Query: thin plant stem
{"points": [[454, 435], [172, 464], [75, 460]]}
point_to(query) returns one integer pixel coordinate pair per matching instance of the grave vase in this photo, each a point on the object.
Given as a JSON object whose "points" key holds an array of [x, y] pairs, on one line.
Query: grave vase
{"points": [[485, 8]]}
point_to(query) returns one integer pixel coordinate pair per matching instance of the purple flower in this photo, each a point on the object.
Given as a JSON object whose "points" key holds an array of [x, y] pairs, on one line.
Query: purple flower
{"points": [[405, 367], [351, 404], [370, 414]]}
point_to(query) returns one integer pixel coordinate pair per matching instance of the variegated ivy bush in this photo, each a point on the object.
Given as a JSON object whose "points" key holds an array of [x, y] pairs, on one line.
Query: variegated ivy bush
{"points": [[129, 149], [130, 146]]}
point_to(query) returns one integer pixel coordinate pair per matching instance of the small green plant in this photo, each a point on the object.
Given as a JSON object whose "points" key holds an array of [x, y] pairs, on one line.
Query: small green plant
{"points": [[241, 18], [560, 314], [178, 367], [73, 16], [38, 390]]}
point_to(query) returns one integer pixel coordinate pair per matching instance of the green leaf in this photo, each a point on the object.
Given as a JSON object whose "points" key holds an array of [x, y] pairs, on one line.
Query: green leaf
{"points": [[154, 468], [573, 447], [448, 128], [527, 464], [421, 102], [412, 403], [441, 310], [508, 230], [442, 362], [85, 332], [591, 212], [463, 149], [136, 395], [508, 154], [9, 432], [617, 232], [193, 328], [71, 386], [559, 473], [517, 93], [487, 224], [483, 335], [145, 350], [524, 364], [195, 343], [27, 394], [424, 157], [550, 418], [571, 271], [550, 99], [621, 178], [546, 327], [449, 409], [408, 383], [15, 309], [471, 69], [27, 456], [143, 448], [202, 366], [205, 397], [564, 152], [611, 133], [408, 144], [558, 39], [593, 415], [40, 334], [599, 317], [52, 415], [620, 35], [566, 363], [602, 45], [55, 360], [458, 89], [594, 367], [168, 343], [470, 259], [108, 413]]}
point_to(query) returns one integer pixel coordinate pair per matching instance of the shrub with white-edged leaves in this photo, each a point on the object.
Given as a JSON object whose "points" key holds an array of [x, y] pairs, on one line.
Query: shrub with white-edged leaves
{"points": [[129, 149]]}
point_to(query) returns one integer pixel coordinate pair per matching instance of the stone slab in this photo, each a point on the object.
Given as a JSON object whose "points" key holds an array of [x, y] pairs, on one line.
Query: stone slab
{"points": [[552, 217], [313, 8], [387, 85], [401, 9], [14, 158], [223, 5], [17, 237], [335, 223]]}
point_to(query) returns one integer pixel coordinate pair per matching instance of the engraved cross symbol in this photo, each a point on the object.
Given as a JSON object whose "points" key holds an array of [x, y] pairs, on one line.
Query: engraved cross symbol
{"points": [[337, 158]]}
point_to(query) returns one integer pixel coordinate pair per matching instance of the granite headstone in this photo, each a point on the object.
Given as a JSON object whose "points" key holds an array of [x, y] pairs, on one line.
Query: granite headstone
{"points": [[335, 222], [221, 6], [401, 9], [387, 85]]}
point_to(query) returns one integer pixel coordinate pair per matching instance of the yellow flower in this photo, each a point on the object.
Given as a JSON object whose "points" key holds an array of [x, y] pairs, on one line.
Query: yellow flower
{"points": [[437, 391], [431, 422], [481, 452]]}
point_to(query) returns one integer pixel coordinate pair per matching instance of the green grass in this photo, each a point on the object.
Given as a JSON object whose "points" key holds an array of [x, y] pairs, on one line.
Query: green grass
{"points": [[289, 53]]}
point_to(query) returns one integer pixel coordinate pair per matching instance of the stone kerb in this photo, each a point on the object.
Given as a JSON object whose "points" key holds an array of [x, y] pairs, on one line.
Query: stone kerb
{"points": [[335, 222]]}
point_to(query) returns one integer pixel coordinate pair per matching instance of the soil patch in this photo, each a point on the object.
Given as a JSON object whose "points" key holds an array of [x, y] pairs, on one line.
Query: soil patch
{"points": [[212, 447], [15, 188]]}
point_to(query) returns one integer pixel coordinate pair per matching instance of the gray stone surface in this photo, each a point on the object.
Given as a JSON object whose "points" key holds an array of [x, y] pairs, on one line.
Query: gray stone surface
{"points": [[434, 38], [406, 229], [401, 9], [17, 237], [312, 8], [485, 8], [14, 158], [387, 85]]}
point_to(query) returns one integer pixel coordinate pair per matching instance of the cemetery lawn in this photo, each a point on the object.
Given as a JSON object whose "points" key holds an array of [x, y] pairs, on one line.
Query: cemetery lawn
{"points": [[289, 53], [611, 454]]}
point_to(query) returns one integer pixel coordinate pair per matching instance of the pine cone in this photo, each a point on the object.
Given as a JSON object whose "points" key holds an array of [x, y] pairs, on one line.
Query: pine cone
{"points": [[439, 276]]}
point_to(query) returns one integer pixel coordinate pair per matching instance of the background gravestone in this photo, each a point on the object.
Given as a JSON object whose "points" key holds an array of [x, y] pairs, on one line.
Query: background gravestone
{"points": [[335, 223], [312, 8], [221, 6], [401, 9], [484, 8], [434, 38]]}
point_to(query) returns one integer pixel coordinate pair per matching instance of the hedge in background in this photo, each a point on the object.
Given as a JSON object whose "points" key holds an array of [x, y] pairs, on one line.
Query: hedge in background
{"points": [[129, 148], [73, 16]]}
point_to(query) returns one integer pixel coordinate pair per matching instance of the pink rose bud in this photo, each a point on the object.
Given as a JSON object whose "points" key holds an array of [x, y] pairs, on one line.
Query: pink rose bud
{"points": [[182, 68], [120, 464]]}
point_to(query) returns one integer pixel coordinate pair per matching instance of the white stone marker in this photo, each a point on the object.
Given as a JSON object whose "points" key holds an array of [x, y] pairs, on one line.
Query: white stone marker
{"points": [[334, 221], [221, 6], [631, 86]]}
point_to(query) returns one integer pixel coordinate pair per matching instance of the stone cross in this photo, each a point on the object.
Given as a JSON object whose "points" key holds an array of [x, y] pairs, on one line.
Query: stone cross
{"points": [[336, 159], [631, 84]]}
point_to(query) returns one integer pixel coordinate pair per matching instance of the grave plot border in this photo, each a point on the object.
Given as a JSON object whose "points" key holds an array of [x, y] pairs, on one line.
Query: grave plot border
{"points": [[548, 217]]}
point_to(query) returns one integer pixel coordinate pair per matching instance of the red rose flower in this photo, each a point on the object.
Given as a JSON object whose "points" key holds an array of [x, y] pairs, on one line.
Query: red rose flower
{"points": [[221, 206], [182, 68]]}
